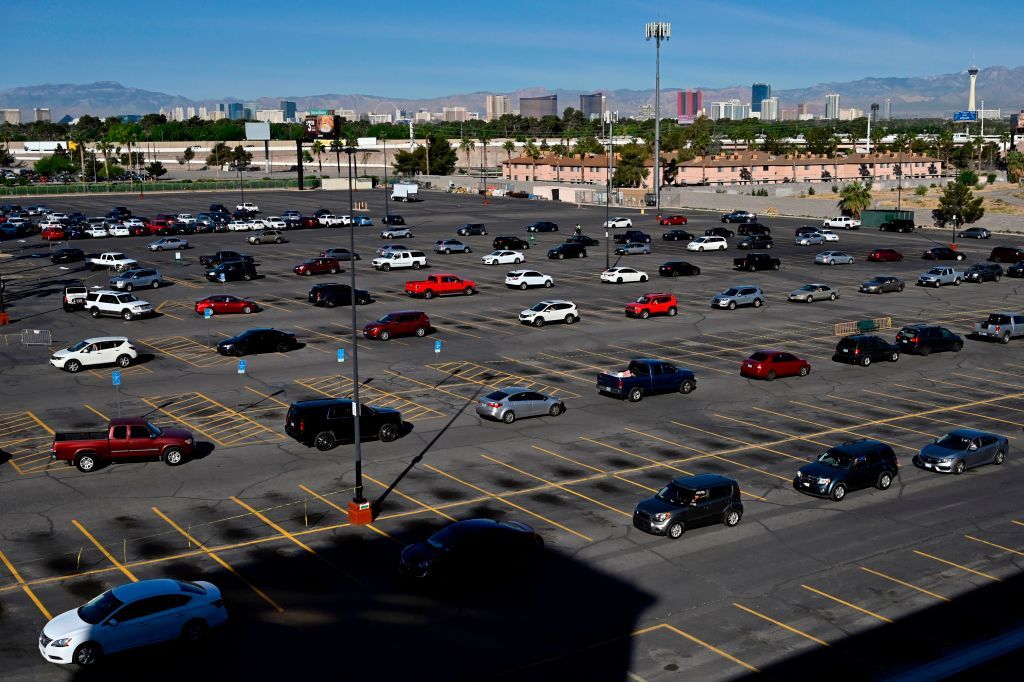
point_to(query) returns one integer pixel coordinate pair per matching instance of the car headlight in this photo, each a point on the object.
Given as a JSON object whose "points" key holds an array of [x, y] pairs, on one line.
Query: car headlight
{"points": [[62, 642], [426, 563], [662, 516], [824, 481]]}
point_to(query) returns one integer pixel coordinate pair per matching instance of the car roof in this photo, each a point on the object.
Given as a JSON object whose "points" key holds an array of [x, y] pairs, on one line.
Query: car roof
{"points": [[855, 446], [702, 481], [145, 588], [970, 433], [97, 339], [556, 300]]}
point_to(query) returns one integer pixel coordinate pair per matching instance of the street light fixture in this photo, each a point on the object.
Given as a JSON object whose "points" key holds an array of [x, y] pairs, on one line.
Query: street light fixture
{"points": [[658, 30]]}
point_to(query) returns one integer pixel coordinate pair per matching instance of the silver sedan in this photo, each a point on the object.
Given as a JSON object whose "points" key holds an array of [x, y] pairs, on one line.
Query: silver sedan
{"points": [[633, 249], [833, 258], [808, 293], [516, 402], [168, 244]]}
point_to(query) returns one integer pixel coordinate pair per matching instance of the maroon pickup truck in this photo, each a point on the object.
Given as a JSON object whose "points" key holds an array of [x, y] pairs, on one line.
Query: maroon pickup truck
{"points": [[127, 439]]}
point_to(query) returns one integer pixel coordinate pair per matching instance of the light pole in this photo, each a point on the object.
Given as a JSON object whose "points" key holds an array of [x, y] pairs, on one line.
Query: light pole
{"points": [[608, 193], [386, 191], [899, 180], [658, 30], [359, 512]]}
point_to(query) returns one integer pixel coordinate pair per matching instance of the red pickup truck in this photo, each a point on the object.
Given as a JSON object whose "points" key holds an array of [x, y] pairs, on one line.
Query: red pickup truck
{"points": [[436, 285], [127, 439]]}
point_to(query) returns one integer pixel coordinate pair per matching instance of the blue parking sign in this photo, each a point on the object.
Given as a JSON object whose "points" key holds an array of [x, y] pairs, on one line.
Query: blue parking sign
{"points": [[241, 366], [207, 312], [341, 355], [437, 346], [115, 378]]}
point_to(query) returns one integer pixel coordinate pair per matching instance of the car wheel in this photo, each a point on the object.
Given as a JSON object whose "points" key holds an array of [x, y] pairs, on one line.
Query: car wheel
{"points": [[324, 441], [956, 282], [387, 433], [643, 278], [334, 271], [838, 493], [448, 252], [556, 410], [771, 375], [517, 261], [635, 394], [85, 463], [416, 265], [247, 309], [809, 299], [687, 387], [804, 371], [173, 457], [508, 417], [618, 281], [428, 294], [732, 517], [123, 360], [128, 287], [898, 289], [87, 654], [247, 277], [644, 314], [283, 347], [675, 531], [732, 305], [583, 254], [959, 467], [999, 458], [72, 366], [832, 296], [700, 248], [675, 273], [468, 291], [384, 335], [238, 351], [468, 250], [865, 361], [925, 350], [194, 631], [257, 242], [894, 356], [757, 302], [127, 315], [570, 319], [884, 481]]}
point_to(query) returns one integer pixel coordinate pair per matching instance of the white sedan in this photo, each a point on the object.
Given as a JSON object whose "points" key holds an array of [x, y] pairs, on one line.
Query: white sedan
{"points": [[708, 244], [524, 279], [829, 235], [623, 274], [96, 231], [238, 226], [119, 230], [133, 222], [500, 257], [130, 616], [618, 222]]}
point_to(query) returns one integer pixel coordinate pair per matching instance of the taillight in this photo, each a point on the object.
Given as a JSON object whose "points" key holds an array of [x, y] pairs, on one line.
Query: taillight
{"points": [[621, 383], [856, 351], [997, 328], [302, 426], [495, 405], [914, 340]]}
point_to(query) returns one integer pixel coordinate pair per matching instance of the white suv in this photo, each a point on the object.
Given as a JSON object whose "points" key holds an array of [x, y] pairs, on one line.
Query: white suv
{"points": [[550, 311], [400, 259], [523, 279], [102, 350], [117, 304]]}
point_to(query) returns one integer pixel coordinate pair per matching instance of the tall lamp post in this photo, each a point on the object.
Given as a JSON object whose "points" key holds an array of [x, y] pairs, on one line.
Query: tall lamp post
{"points": [[608, 193], [387, 213], [359, 512], [658, 30]]}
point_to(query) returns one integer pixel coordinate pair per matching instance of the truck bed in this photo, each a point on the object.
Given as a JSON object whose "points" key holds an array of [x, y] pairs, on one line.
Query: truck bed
{"points": [[62, 436]]}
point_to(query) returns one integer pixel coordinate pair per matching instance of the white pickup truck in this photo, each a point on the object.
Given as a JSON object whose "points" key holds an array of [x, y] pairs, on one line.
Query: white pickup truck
{"points": [[940, 275], [1001, 327], [845, 222], [247, 206], [110, 260]]}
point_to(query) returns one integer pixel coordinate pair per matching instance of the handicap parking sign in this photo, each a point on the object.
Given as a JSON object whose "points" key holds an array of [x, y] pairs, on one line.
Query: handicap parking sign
{"points": [[207, 313], [341, 355], [115, 378], [437, 346], [241, 366]]}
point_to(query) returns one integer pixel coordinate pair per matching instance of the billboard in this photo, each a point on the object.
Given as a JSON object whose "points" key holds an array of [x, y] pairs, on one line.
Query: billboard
{"points": [[257, 131], [965, 116], [321, 126]]}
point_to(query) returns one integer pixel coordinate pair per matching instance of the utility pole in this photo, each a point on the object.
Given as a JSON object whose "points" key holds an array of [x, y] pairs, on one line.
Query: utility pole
{"points": [[608, 194], [359, 512], [658, 30]]}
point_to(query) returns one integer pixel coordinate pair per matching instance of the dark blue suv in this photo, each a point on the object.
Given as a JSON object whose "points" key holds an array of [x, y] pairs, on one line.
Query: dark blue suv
{"points": [[848, 467]]}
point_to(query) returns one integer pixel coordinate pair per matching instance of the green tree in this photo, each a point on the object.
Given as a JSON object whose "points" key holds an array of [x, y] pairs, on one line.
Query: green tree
{"points": [[854, 198], [1014, 166], [484, 138], [240, 158], [54, 164], [336, 148], [958, 205], [188, 155], [509, 147], [408, 163], [466, 145], [630, 170], [105, 147], [443, 156], [156, 170], [318, 150], [534, 154], [817, 140], [586, 144]]}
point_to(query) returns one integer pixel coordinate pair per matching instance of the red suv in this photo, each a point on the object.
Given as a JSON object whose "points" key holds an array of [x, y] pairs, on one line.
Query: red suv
{"points": [[53, 234], [768, 364], [652, 304], [318, 266], [884, 255], [402, 323], [160, 226], [309, 223]]}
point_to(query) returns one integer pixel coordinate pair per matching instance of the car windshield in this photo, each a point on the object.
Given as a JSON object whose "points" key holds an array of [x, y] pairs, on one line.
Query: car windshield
{"points": [[444, 539], [952, 441], [540, 307], [731, 292], [99, 608], [935, 271], [386, 318], [835, 459], [153, 429], [78, 346], [643, 299]]}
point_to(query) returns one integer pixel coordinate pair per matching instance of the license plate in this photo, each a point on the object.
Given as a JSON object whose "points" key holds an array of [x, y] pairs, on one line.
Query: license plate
{"points": [[806, 484], [846, 350], [928, 465]]}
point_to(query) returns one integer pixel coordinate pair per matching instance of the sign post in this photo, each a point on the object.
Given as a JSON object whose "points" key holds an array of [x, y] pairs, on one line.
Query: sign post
{"points": [[208, 315], [437, 347], [241, 367], [115, 379]]}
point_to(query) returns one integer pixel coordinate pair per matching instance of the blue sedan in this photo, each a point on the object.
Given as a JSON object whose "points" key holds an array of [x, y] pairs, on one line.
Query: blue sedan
{"points": [[962, 449], [363, 221]]}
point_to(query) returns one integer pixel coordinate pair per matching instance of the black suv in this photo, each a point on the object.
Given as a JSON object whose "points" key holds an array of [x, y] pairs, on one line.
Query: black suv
{"points": [[756, 241], [984, 272], [752, 228], [690, 502], [677, 235], [392, 219], [324, 424], [848, 467], [509, 242], [232, 271], [863, 349], [331, 294], [582, 239], [922, 339], [568, 251], [718, 232], [898, 225], [471, 228]]}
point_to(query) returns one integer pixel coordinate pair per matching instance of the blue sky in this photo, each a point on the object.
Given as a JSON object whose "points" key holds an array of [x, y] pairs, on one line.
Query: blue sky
{"points": [[251, 48]]}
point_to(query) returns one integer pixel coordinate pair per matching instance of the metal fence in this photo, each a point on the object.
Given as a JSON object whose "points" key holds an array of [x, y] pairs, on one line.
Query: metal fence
{"points": [[129, 188], [862, 326], [36, 337]]}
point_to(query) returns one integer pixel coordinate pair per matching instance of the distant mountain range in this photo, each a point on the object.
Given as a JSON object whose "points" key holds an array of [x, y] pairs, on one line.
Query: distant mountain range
{"points": [[999, 87]]}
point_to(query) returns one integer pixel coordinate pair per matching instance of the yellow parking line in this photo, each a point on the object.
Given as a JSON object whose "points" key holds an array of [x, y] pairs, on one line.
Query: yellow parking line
{"points": [[558, 486], [905, 584], [744, 442], [110, 557], [296, 541], [24, 586], [709, 647], [508, 502], [781, 624], [40, 422], [568, 459], [933, 405], [345, 511], [213, 555], [846, 603], [956, 565], [992, 544], [1019, 523], [820, 408]]}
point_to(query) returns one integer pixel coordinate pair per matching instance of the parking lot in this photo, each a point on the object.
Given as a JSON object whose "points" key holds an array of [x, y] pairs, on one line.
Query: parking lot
{"points": [[872, 586]]}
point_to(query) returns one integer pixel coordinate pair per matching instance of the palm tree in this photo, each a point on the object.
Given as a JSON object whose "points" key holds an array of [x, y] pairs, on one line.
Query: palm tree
{"points": [[466, 145], [833, 148], [534, 154], [854, 198], [509, 147], [943, 145], [337, 147], [484, 137], [559, 150], [105, 147], [318, 150]]}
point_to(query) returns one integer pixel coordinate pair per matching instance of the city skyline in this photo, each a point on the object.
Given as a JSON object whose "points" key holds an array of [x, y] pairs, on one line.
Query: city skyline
{"points": [[439, 45]]}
